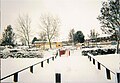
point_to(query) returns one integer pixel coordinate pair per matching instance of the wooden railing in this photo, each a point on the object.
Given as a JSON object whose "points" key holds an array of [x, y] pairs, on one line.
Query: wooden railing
{"points": [[94, 52], [15, 74], [90, 56], [99, 64]]}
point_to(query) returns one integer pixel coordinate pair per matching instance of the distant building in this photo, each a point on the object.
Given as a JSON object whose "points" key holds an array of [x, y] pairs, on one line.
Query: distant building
{"points": [[45, 44], [103, 39]]}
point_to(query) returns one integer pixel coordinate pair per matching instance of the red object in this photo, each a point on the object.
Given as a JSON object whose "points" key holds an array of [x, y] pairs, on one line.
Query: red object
{"points": [[69, 52], [62, 52]]}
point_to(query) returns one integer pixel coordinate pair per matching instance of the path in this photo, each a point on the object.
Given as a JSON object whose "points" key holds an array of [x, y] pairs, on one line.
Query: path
{"points": [[73, 69]]}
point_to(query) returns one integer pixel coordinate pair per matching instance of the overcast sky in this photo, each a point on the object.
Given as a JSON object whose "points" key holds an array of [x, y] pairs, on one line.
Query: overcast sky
{"points": [[77, 14]]}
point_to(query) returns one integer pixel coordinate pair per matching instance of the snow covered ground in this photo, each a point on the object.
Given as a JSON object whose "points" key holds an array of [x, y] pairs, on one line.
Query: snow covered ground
{"points": [[73, 69], [112, 61]]}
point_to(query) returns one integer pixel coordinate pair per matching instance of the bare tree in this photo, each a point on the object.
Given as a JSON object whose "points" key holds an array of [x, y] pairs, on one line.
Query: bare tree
{"points": [[93, 35], [71, 35], [23, 28], [49, 24], [42, 36]]}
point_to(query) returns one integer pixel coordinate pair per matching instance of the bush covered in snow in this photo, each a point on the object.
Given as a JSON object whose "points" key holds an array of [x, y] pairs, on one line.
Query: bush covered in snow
{"points": [[20, 53]]}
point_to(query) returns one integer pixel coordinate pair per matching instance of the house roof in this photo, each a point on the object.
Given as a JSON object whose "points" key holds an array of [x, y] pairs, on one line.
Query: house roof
{"points": [[37, 42], [104, 35]]}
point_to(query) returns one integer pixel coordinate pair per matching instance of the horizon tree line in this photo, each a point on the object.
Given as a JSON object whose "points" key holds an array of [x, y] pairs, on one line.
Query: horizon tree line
{"points": [[48, 24]]}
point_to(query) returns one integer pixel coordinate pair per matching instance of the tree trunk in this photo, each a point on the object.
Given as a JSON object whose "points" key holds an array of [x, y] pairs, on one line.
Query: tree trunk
{"points": [[117, 39], [28, 44], [50, 44], [44, 46], [117, 46]]}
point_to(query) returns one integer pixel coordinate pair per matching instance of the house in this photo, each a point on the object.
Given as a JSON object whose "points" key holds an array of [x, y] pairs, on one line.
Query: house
{"points": [[103, 39], [45, 44]]}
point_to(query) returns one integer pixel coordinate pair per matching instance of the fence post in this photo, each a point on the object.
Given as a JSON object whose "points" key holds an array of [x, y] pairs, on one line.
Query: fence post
{"points": [[16, 77], [58, 78], [118, 77], [42, 64], [90, 58], [108, 74], [31, 69], [99, 67], [48, 61], [53, 58], [93, 61]]}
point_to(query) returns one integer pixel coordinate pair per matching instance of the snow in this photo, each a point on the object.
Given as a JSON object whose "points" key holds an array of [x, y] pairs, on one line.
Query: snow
{"points": [[104, 35], [21, 53], [114, 61], [73, 69]]}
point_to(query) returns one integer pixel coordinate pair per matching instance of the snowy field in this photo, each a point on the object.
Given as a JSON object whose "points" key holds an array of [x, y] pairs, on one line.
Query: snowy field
{"points": [[74, 69]]}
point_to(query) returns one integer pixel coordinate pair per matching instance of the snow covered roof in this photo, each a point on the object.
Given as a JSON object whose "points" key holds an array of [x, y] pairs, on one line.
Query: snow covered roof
{"points": [[104, 35], [37, 42]]}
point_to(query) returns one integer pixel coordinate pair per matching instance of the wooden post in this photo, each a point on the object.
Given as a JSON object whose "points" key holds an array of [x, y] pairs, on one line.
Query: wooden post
{"points": [[31, 69], [118, 77], [99, 67], [42, 64], [90, 58], [53, 58], [48, 61], [93, 61], [57, 78], [16, 77], [108, 74]]}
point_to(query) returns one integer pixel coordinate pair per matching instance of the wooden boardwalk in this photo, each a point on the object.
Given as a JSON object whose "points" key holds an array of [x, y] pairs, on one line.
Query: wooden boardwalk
{"points": [[73, 69]]}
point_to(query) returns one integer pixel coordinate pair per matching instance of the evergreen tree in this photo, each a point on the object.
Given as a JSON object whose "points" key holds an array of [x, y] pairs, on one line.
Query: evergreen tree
{"points": [[8, 36], [71, 35], [110, 18], [79, 37]]}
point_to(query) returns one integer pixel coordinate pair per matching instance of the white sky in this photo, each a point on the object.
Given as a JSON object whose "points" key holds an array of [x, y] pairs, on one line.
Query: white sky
{"points": [[77, 14]]}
